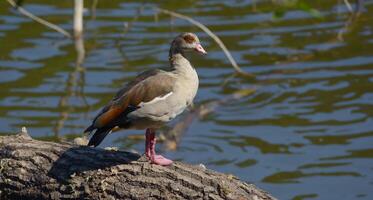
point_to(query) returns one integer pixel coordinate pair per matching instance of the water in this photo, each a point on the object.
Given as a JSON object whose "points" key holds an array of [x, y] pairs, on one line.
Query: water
{"points": [[303, 131]]}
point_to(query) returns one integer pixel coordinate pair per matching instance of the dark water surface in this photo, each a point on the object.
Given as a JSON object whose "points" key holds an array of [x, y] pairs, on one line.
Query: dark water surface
{"points": [[306, 131]]}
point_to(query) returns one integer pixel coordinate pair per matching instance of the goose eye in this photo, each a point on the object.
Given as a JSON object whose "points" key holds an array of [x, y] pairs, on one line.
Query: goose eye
{"points": [[189, 39]]}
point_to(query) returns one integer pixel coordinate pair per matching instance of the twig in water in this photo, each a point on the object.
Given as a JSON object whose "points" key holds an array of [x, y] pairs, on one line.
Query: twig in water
{"points": [[38, 19], [348, 5], [211, 34], [78, 18], [355, 14], [93, 9], [173, 136]]}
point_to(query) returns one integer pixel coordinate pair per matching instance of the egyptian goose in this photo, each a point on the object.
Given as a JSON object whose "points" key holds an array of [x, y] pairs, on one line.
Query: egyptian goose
{"points": [[152, 99]]}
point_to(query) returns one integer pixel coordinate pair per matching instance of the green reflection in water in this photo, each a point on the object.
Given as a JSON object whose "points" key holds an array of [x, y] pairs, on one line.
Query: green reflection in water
{"points": [[336, 139], [361, 153], [246, 163], [305, 196], [221, 162], [323, 165], [294, 176], [264, 146]]}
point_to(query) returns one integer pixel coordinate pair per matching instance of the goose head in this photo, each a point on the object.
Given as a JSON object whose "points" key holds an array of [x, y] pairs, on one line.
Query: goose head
{"points": [[186, 42]]}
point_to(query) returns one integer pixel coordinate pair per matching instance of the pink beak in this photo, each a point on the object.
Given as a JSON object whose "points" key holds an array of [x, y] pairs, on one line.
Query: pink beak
{"points": [[200, 49]]}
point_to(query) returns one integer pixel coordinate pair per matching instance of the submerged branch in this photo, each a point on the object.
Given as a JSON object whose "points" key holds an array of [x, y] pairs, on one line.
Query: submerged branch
{"points": [[38, 19], [348, 5], [212, 35], [173, 135], [78, 18]]}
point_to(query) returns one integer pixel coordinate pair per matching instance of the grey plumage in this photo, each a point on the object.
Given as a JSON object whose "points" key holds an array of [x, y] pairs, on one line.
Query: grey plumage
{"points": [[154, 97]]}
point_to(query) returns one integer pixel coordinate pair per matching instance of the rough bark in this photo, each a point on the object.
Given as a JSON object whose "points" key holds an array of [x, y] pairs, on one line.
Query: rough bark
{"points": [[31, 169]]}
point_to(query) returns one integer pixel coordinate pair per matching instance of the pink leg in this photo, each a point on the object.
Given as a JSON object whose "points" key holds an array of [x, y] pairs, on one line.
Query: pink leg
{"points": [[147, 143], [150, 149]]}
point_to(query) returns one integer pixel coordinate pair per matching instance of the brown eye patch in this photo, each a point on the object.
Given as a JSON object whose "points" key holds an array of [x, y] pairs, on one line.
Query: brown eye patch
{"points": [[189, 39]]}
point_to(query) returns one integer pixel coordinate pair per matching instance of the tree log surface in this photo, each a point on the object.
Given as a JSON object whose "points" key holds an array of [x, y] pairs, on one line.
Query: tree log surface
{"points": [[32, 169]]}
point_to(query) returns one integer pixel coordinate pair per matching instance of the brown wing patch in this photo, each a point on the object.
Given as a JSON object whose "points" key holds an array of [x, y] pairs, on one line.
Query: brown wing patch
{"points": [[189, 39], [108, 116], [143, 91], [142, 76]]}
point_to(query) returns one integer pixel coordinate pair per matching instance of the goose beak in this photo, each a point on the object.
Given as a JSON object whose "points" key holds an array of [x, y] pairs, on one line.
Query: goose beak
{"points": [[200, 49]]}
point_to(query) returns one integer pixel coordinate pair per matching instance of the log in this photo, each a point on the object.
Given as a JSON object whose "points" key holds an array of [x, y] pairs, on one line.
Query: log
{"points": [[32, 169]]}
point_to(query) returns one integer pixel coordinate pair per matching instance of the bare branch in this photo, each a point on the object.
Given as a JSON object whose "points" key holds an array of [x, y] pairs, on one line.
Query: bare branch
{"points": [[39, 20], [78, 18], [211, 34], [348, 5]]}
